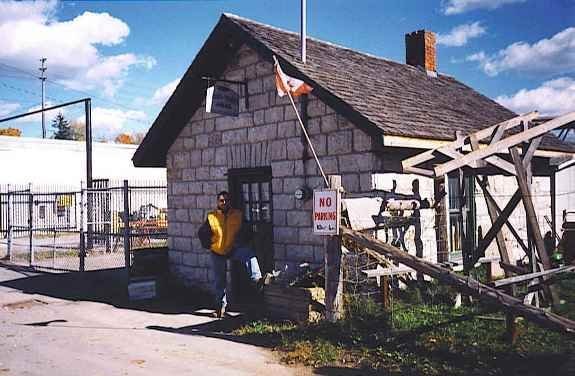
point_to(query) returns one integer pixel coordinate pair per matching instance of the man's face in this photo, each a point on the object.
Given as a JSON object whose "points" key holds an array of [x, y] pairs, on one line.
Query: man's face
{"points": [[224, 202]]}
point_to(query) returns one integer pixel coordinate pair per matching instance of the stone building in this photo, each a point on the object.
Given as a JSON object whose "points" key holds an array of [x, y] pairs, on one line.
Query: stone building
{"points": [[364, 115]]}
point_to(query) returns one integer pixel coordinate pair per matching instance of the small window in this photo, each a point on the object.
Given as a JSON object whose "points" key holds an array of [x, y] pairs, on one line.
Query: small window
{"points": [[460, 201]]}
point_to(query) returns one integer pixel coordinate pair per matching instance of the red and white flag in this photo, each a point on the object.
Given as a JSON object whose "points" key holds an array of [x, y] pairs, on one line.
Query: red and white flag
{"points": [[285, 83]]}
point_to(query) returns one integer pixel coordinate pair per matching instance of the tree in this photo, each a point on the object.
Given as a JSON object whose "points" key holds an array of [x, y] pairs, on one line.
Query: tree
{"points": [[124, 138], [14, 132], [78, 130], [63, 129]]}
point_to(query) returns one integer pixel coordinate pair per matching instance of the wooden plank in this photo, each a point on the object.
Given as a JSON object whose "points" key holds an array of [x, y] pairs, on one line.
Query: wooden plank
{"points": [[493, 214], [501, 163], [488, 196], [529, 209], [504, 144], [530, 276], [533, 145], [381, 251], [419, 171], [480, 135], [513, 268], [496, 227]]}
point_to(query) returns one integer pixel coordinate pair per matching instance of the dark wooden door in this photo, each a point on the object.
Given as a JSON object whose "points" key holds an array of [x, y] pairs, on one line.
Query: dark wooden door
{"points": [[251, 192]]}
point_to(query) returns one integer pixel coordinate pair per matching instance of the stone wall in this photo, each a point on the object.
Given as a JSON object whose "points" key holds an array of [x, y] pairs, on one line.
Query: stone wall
{"points": [[265, 134]]}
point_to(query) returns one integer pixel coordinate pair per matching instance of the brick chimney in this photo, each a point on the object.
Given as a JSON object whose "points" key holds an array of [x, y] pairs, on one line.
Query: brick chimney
{"points": [[420, 50]]}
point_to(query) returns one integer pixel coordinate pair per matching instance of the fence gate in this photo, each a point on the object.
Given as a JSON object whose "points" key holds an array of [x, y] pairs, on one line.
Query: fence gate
{"points": [[84, 229]]}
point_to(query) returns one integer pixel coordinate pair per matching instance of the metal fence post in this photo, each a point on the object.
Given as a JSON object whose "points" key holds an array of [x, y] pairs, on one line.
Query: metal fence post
{"points": [[82, 254], [127, 224], [9, 225], [31, 225]]}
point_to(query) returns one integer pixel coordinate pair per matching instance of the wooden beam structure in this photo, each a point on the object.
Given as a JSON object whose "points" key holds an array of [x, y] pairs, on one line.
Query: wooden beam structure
{"points": [[380, 251], [492, 131], [487, 147], [530, 276], [504, 144]]}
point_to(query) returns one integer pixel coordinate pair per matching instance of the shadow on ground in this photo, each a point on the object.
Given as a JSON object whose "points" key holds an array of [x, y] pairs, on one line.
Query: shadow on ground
{"points": [[104, 286]]}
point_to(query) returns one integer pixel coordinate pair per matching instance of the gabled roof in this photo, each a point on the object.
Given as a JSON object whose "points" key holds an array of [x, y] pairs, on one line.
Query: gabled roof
{"points": [[374, 93]]}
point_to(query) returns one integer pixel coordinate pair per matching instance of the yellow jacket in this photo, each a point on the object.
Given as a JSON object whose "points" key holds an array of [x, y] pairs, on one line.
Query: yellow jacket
{"points": [[224, 227]]}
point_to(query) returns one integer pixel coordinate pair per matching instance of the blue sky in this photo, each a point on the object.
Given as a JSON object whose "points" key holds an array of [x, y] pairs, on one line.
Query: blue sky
{"points": [[128, 55]]}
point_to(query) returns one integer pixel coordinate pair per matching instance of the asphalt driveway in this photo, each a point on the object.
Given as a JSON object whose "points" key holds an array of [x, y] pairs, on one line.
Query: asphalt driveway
{"points": [[82, 324]]}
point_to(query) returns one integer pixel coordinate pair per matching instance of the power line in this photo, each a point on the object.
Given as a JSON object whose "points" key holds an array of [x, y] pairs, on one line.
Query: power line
{"points": [[79, 91]]}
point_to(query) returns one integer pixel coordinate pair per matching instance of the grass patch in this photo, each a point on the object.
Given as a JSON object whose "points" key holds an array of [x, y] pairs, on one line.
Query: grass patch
{"points": [[420, 339]]}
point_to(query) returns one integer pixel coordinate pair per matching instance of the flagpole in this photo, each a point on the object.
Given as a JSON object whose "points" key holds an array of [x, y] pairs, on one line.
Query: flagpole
{"points": [[308, 140], [303, 127]]}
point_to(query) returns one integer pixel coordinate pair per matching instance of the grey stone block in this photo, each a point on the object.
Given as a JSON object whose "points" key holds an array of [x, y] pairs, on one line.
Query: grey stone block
{"points": [[357, 162], [306, 236], [208, 157], [274, 114], [205, 202], [291, 184], [285, 234], [197, 216], [238, 136], [202, 141], [189, 174], [279, 217], [294, 148], [255, 86], [203, 173], [283, 201], [299, 218], [278, 150], [190, 259], [339, 143], [361, 141], [287, 129], [350, 182], [259, 117], [262, 133], [195, 158], [283, 168], [315, 108], [182, 215]]}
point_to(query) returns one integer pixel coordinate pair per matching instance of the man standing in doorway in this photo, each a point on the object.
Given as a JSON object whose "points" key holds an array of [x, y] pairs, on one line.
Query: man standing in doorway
{"points": [[229, 238]]}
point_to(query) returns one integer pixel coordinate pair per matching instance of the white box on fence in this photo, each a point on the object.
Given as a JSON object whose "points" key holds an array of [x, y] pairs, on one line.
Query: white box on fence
{"points": [[144, 289]]}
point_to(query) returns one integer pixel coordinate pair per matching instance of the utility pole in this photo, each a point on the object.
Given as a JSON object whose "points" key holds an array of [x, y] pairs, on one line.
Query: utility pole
{"points": [[42, 78]]}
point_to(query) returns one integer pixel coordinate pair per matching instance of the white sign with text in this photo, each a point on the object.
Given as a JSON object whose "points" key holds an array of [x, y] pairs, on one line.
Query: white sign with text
{"points": [[326, 212]]}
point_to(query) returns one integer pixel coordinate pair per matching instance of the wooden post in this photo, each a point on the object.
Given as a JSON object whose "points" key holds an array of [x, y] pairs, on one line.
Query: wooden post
{"points": [[510, 322], [529, 209], [553, 189], [333, 269]]}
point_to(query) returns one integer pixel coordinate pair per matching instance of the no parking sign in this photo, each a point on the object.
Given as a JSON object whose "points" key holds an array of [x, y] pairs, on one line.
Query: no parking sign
{"points": [[326, 212]]}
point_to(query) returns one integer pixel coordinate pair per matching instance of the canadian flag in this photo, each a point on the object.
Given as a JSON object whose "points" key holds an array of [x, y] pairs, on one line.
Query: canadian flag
{"points": [[285, 83]]}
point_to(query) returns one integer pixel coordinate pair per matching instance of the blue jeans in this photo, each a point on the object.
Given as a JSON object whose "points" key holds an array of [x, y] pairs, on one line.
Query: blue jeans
{"points": [[248, 259]]}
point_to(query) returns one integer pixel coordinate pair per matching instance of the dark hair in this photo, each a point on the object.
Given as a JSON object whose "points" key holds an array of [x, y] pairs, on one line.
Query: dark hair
{"points": [[223, 193]]}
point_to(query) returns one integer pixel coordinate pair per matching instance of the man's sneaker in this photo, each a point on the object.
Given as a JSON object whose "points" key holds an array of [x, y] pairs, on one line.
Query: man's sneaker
{"points": [[220, 312], [264, 281]]}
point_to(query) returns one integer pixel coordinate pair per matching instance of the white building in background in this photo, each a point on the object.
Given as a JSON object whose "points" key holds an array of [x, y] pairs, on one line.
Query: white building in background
{"points": [[63, 162]]}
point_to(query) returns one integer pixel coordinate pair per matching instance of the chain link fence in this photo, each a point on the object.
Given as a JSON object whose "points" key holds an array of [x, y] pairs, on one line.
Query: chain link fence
{"points": [[76, 229]]}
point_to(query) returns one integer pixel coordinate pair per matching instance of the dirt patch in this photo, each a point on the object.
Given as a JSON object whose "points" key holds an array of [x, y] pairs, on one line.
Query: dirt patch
{"points": [[24, 304]]}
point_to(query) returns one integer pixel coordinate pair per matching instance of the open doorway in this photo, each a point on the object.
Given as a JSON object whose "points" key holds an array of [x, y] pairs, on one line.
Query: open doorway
{"points": [[251, 192]]}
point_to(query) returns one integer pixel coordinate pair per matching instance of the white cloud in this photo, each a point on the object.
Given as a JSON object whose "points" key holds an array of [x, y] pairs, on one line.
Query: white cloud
{"points": [[39, 11], [460, 35], [460, 6], [162, 94], [30, 31], [555, 55], [37, 118], [7, 108], [109, 120], [551, 98]]}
